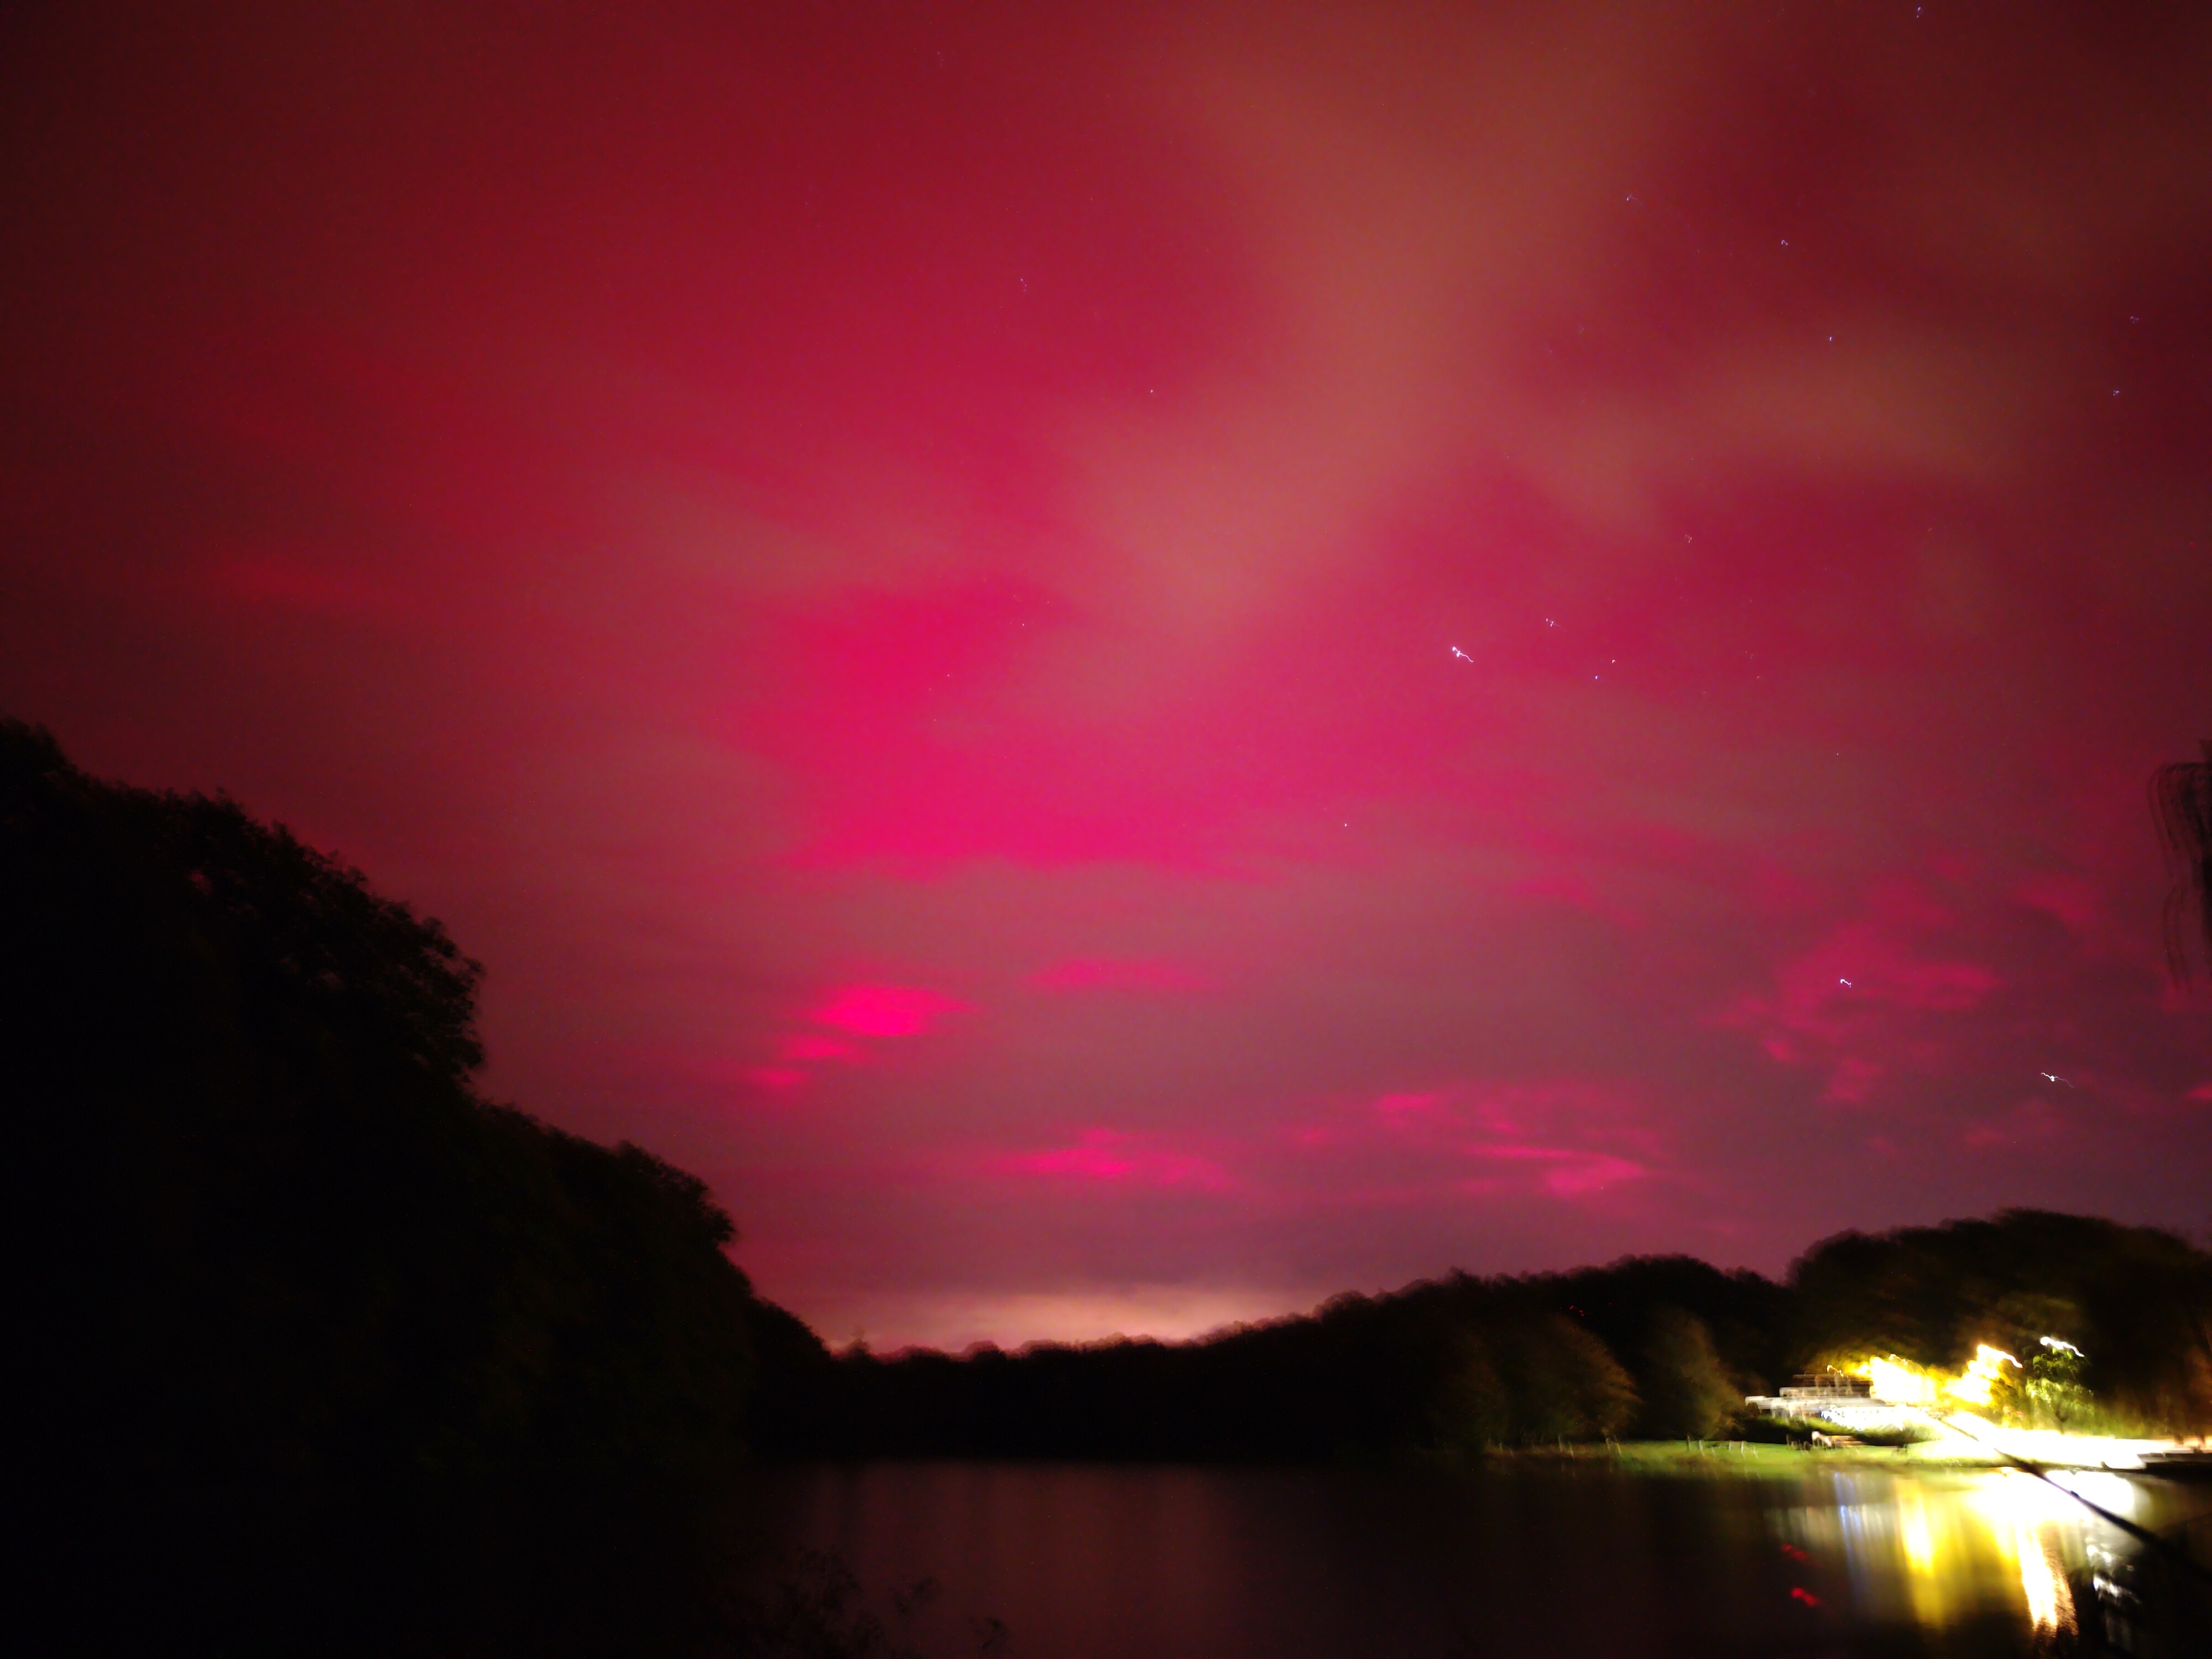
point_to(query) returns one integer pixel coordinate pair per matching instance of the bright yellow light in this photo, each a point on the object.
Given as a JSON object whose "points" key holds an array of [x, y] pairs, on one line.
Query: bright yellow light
{"points": [[1919, 1543], [1982, 1376], [1893, 1379], [1931, 1590], [2059, 1450], [2050, 1602]]}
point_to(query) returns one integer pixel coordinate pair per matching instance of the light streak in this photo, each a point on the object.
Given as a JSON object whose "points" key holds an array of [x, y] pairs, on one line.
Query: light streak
{"points": [[2050, 1603]]}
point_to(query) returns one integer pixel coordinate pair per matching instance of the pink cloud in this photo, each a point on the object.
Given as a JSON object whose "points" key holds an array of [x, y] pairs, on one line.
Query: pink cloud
{"points": [[2073, 900], [1576, 892], [1530, 1124], [2031, 1122], [882, 1011], [1852, 1078], [1110, 1157], [1861, 964], [1120, 974], [1573, 1173], [1867, 989], [1509, 1108], [1566, 889], [864, 1010], [1396, 1108], [2202, 1091]]}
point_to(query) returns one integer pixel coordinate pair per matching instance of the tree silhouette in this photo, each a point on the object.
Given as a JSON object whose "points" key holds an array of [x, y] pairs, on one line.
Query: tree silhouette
{"points": [[301, 1318], [1687, 1392]]}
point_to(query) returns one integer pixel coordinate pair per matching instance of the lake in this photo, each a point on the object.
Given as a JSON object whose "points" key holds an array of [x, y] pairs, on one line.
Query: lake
{"points": [[1718, 1557]]}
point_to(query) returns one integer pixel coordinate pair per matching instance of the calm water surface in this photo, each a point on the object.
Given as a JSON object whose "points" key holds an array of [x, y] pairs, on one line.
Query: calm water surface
{"points": [[1086, 1562]]}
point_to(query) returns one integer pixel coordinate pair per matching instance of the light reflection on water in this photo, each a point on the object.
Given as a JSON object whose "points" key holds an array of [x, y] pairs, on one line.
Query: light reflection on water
{"points": [[1098, 1562], [1933, 1553]]}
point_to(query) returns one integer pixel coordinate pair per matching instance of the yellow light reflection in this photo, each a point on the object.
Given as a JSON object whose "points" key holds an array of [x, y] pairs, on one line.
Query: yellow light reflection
{"points": [[2050, 1601], [1944, 1549], [1926, 1585], [2024, 1515], [1912, 1530]]}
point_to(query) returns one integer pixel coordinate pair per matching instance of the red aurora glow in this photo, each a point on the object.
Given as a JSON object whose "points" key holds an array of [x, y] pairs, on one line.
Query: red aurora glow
{"points": [[1127, 665]]}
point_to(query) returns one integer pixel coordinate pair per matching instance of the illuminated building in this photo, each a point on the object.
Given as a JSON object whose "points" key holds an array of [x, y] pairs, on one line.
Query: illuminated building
{"points": [[1838, 1397]]}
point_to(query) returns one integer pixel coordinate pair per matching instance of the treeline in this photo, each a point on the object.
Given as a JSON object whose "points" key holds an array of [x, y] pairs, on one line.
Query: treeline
{"points": [[1648, 1347], [1653, 1346], [2136, 1301], [301, 1321]]}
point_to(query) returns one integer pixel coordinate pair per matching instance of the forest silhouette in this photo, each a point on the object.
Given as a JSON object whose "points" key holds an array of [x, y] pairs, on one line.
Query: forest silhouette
{"points": [[305, 1318], [1648, 1347], [323, 1347]]}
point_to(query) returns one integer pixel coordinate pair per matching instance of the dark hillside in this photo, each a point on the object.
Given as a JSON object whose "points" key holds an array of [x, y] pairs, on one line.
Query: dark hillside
{"points": [[1647, 1346], [298, 1313], [1662, 1345]]}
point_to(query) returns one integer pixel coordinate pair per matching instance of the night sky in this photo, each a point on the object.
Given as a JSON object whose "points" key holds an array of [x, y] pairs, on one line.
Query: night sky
{"points": [[1126, 665]]}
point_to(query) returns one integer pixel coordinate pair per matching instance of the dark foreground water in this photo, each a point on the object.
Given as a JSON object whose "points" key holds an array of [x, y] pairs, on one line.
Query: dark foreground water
{"points": [[1084, 1562]]}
